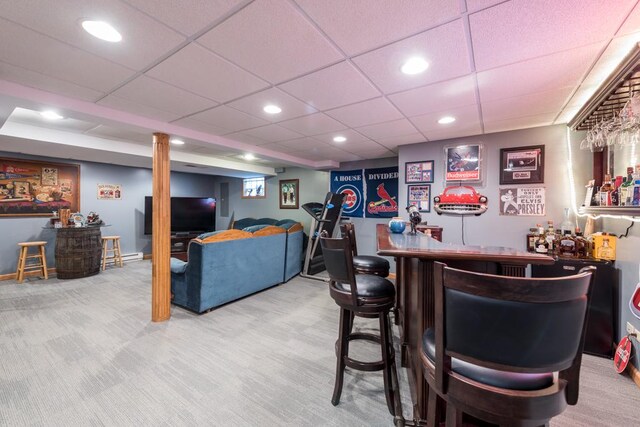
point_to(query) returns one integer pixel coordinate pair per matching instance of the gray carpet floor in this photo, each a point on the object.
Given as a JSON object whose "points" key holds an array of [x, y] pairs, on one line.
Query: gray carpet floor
{"points": [[84, 352]]}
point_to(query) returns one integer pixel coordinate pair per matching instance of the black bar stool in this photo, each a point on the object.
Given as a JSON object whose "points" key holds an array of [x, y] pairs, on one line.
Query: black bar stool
{"points": [[364, 264], [364, 295]]}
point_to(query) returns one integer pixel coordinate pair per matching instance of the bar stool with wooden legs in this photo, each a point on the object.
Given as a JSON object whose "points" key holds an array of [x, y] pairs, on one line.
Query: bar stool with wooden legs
{"points": [[363, 295], [113, 255], [24, 267]]}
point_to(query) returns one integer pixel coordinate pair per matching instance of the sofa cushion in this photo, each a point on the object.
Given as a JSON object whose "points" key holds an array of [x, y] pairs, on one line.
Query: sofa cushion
{"points": [[267, 221], [254, 228], [220, 236], [279, 223], [178, 266], [269, 230], [205, 235], [290, 225], [243, 223]]}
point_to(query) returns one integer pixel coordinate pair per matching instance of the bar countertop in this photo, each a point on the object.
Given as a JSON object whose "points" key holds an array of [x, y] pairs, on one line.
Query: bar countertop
{"points": [[424, 247]]}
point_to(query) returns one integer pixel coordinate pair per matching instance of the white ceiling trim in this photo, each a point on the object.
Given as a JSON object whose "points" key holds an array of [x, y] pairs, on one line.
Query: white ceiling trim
{"points": [[89, 111]]}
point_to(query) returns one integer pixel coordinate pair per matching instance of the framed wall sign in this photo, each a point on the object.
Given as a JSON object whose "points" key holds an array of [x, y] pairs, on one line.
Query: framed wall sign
{"points": [[522, 201], [419, 195], [418, 171], [289, 192], [33, 188], [522, 165], [463, 163], [109, 192]]}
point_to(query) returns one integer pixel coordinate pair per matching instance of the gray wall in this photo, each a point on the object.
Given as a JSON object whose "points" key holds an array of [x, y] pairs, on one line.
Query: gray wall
{"points": [[491, 228], [126, 216]]}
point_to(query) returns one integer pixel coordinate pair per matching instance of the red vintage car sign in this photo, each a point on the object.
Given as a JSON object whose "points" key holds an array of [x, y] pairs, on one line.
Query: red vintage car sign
{"points": [[623, 353]]}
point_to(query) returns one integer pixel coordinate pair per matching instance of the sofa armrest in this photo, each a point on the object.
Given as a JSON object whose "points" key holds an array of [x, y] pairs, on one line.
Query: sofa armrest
{"points": [[178, 266]]}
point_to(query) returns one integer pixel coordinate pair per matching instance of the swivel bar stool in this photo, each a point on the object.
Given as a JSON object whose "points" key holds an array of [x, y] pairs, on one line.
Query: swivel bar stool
{"points": [[364, 264], [365, 295]]}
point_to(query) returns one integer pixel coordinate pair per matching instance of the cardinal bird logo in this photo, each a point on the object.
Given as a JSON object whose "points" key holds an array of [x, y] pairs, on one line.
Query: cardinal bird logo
{"points": [[382, 193]]}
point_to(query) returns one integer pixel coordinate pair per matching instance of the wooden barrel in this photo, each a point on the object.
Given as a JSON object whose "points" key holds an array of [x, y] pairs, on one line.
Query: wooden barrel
{"points": [[78, 252]]}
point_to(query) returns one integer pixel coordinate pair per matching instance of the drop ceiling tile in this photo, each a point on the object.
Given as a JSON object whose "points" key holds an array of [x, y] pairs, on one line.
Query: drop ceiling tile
{"points": [[27, 49], [549, 72], [300, 144], [50, 84], [526, 105], [277, 147], [143, 38], [475, 5], [213, 151], [378, 153], [351, 135], [228, 118], [332, 87], [532, 30], [357, 147], [34, 118], [436, 97], [138, 109], [254, 104], [359, 25], [366, 113], [187, 16], [520, 123], [469, 130], [111, 132], [199, 126], [314, 124], [200, 71], [465, 117], [444, 48], [147, 91], [388, 129], [266, 47], [632, 23], [396, 141], [272, 133]]}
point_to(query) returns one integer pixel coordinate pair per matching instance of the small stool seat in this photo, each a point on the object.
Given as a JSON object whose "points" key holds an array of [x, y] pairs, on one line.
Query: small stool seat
{"points": [[113, 254], [40, 263], [371, 264], [369, 286]]}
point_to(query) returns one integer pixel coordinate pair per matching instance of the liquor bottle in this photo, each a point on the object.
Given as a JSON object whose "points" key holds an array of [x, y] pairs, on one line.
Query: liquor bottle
{"points": [[615, 195], [636, 193], [566, 224], [605, 191], [567, 245], [582, 245], [551, 237], [532, 237], [595, 199], [628, 188], [542, 246], [622, 192], [605, 251]]}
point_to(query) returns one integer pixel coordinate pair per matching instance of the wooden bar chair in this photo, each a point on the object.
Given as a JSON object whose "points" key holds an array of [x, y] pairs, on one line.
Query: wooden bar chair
{"points": [[364, 264], [365, 295], [39, 265], [505, 350], [113, 254]]}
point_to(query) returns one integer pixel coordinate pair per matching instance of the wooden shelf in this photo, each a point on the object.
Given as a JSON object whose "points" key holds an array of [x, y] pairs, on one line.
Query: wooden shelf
{"points": [[611, 210]]}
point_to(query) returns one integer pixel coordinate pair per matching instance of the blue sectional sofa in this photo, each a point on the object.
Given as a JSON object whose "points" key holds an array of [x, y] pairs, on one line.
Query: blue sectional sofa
{"points": [[227, 265]]}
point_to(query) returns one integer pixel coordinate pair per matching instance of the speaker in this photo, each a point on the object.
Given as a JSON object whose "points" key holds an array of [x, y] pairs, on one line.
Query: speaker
{"points": [[279, 170]]}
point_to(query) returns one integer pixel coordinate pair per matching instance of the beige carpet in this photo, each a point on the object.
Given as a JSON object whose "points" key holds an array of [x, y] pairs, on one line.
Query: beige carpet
{"points": [[84, 352]]}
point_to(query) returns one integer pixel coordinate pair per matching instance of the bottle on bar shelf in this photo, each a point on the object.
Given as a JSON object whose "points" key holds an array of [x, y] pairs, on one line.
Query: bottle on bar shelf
{"points": [[566, 224], [532, 237], [615, 193], [626, 196], [605, 191], [582, 245], [595, 198], [567, 245], [542, 245], [551, 237]]}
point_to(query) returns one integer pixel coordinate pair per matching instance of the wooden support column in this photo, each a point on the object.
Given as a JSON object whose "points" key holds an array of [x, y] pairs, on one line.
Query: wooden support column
{"points": [[161, 244]]}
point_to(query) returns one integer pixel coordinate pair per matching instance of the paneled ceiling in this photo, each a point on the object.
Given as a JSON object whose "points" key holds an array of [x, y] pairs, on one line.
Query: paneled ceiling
{"points": [[204, 70]]}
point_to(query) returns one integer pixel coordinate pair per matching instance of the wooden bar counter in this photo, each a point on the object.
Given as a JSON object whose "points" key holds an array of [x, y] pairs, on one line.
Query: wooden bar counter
{"points": [[415, 255]]}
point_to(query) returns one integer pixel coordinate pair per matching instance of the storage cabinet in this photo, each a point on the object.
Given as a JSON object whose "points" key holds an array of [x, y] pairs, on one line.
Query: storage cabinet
{"points": [[603, 311]]}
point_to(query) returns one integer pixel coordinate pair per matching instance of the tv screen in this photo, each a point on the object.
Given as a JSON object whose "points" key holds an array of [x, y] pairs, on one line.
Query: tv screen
{"points": [[188, 214]]}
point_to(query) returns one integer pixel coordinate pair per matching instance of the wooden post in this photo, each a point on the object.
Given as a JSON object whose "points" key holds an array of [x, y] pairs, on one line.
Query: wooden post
{"points": [[161, 244]]}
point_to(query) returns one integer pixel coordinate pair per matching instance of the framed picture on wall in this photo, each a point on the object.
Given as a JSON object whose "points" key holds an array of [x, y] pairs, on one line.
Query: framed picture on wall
{"points": [[419, 195], [463, 163], [418, 171], [289, 192], [522, 165]]}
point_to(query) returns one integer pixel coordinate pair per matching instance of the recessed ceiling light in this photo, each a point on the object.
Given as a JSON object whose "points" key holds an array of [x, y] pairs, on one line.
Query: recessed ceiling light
{"points": [[51, 115], [446, 120], [177, 142], [339, 139], [415, 65], [272, 109], [249, 156], [102, 30]]}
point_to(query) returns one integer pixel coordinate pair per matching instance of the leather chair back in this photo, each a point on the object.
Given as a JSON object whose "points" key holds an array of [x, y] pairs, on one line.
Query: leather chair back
{"points": [[338, 260], [348, 230]]}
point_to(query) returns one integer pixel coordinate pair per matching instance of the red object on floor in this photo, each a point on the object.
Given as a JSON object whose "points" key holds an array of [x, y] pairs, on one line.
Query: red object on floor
{"points": [[623, 353]]}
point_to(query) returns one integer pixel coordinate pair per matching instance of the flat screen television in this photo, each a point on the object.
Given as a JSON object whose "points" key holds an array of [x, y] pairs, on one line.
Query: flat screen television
{"points": [[188, 214]]}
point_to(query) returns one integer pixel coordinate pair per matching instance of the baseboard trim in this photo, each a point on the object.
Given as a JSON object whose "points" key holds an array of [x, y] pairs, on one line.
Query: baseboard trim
{"points": [[634, 373], [12, 276]]}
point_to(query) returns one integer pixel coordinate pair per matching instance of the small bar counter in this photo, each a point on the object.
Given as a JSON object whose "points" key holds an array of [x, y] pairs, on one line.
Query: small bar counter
{"points": [[415, 255]]}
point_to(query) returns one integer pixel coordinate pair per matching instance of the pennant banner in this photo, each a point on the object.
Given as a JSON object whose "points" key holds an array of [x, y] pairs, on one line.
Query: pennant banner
{"points": [[382, 192], [349, 183]]}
